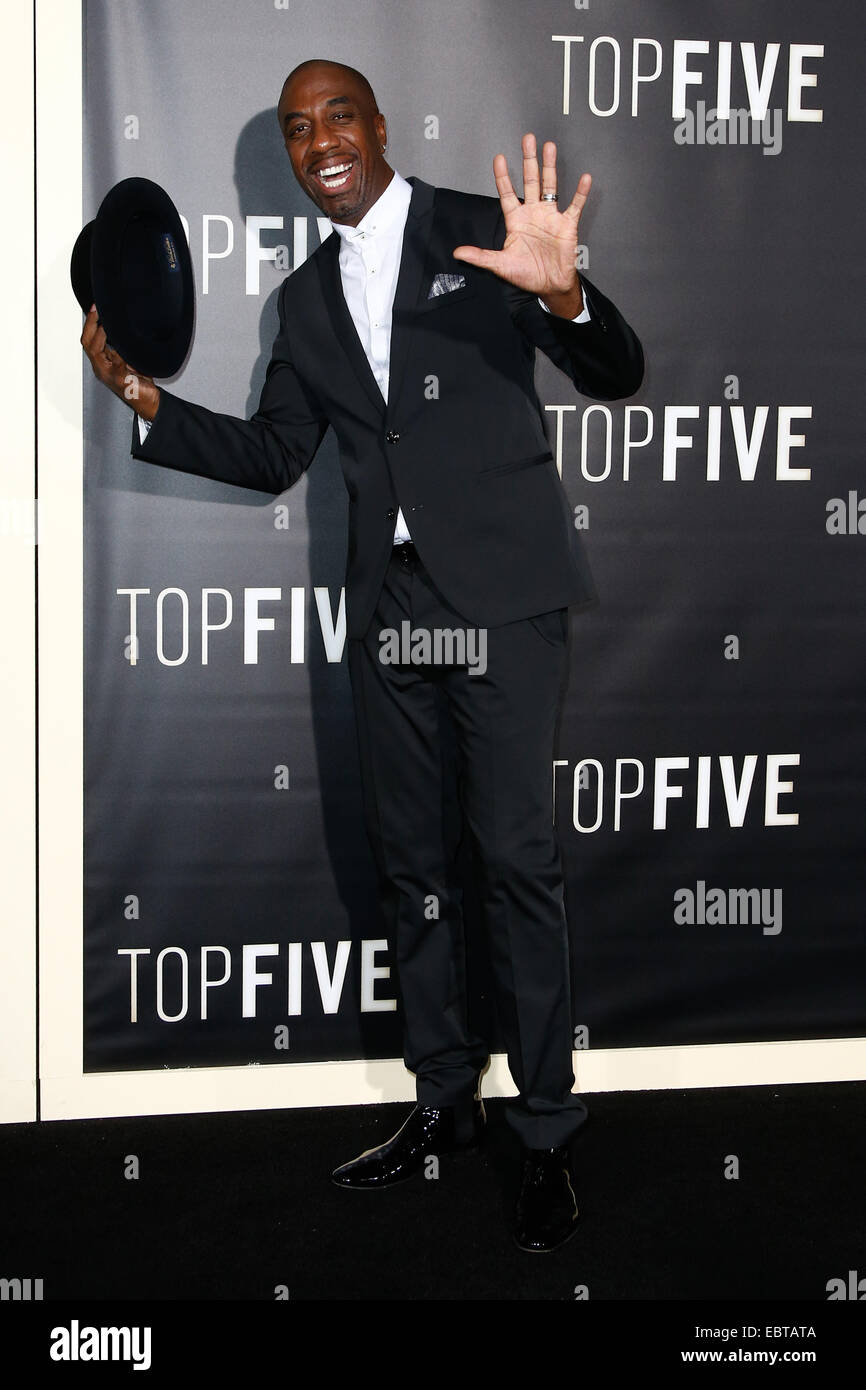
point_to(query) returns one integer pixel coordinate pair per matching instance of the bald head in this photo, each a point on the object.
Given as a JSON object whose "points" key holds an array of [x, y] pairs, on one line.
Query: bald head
{"points": [[356, 77]]}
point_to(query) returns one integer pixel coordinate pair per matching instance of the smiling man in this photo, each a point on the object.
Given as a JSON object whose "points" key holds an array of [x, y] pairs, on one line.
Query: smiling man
{"points": [[412, 331], [345, 174]]}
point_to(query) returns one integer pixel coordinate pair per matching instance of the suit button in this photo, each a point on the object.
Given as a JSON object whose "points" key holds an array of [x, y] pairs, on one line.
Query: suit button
{"points": [[392, 437], [391, 514]]}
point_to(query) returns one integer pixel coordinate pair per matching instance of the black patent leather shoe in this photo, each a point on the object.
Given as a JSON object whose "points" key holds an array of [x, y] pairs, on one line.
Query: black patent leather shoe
{"points": [[546, 1211], [427, 1131]]}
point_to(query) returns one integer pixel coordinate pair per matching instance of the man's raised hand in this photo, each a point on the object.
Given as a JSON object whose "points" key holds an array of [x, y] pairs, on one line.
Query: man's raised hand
{"points": [[540, 248], [131, 386]]}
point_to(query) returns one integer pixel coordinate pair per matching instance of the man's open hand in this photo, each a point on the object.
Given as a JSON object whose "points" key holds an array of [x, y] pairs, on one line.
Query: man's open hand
{"points": [[540, 248], [138, 391]]}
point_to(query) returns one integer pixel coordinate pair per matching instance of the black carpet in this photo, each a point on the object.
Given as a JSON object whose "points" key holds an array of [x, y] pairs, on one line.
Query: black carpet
{"points": [[235, 1206]]}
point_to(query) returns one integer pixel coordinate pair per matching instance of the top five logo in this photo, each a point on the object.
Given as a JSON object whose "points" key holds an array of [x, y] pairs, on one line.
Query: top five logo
{"points": [[694, 66]]}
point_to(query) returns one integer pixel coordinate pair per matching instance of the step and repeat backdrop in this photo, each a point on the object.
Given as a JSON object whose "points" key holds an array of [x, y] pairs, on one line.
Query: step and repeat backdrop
{"points": [[707, 786]]}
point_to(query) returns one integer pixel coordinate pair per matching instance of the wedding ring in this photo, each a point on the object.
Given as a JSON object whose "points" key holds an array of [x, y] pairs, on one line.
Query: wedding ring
{"points": [[549, 197]]}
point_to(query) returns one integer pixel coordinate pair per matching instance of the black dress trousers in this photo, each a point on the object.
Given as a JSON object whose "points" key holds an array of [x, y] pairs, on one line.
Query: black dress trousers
{"points": [[495, 767]]}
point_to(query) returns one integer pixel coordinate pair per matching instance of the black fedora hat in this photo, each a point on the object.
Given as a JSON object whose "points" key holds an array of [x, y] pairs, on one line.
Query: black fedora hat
{"points": [[132, 261]]}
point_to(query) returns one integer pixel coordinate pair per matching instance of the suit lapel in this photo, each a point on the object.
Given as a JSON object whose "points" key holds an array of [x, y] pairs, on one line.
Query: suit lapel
{"points": [[342, 321], [416, 238]]}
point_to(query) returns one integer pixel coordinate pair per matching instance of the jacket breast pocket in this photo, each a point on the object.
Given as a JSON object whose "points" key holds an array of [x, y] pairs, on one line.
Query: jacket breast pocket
{"points": [[448, 299], [497, 470]]}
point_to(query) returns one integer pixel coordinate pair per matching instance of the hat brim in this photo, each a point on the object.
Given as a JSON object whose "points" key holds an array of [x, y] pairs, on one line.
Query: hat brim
{"points": [[79, 268]]}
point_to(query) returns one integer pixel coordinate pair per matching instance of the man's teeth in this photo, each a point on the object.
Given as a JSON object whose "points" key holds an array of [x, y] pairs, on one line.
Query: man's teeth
{"points": [[334, 175]]}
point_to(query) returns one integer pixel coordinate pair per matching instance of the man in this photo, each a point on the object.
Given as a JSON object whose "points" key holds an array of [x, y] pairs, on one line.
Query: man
{"points": [[412, 331]]}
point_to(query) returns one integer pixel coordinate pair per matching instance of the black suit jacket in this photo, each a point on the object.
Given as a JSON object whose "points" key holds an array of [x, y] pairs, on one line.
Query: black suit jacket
{"points": [[460, 445]]}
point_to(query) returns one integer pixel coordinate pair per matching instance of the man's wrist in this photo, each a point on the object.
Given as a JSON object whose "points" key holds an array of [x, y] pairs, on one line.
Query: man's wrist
{"points": [[146, 402], [567, 305]]}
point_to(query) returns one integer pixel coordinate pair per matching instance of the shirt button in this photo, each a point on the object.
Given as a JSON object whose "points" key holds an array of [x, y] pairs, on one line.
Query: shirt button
{"points": [[392, 437]]}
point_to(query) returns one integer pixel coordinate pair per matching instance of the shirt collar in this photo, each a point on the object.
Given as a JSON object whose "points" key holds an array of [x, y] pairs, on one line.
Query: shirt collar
{"points": [[386, 215]]}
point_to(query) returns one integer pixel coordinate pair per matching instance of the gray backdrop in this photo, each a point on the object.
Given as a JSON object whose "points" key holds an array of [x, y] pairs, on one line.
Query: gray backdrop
{"points": [[729, 562]]}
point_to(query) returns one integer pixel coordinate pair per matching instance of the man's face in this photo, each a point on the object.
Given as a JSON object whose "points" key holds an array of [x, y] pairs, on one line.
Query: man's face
{"points": [[334, 138]]}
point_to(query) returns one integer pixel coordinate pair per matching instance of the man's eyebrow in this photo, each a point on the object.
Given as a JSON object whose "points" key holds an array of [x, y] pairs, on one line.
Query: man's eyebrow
{"points": [[332, 101]]}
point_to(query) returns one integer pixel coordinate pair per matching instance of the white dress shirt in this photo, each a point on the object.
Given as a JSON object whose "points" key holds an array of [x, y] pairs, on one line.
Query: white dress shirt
{"points": [[369, 266]]}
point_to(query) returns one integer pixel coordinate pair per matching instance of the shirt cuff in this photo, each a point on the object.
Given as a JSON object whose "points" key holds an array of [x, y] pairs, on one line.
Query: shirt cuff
{"points": [[583, 317]]}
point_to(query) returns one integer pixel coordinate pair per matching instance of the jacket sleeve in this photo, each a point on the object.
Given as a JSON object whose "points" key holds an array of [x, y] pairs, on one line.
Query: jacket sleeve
{"points": [[603, 358], [269, 452]]}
